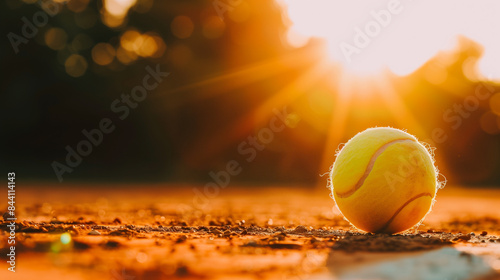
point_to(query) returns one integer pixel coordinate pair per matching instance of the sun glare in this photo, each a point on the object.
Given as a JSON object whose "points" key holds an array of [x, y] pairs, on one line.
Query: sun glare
{"points": [[367, 37]]}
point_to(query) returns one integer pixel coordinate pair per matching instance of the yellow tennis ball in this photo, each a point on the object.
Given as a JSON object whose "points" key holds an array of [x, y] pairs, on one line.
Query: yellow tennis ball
{"points": [[383, 180]]}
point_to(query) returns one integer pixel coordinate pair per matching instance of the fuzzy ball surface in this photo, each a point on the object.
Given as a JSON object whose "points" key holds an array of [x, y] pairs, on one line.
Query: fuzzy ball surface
{"points": [[384, 180]]}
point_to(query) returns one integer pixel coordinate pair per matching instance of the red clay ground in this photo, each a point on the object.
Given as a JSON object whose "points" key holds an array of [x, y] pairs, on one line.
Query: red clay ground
{"points": [[156, 232]]}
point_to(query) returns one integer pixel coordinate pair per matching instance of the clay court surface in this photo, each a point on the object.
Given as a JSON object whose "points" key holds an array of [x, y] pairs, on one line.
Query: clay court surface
{"points": [[137, 232]]}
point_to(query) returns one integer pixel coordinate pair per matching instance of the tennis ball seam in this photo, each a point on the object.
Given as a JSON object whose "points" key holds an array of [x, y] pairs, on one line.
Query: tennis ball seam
{"points": [[369, 167], [386, 225]]}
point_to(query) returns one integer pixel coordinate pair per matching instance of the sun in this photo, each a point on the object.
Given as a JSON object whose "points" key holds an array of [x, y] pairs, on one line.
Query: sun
{"points": [[369, 37], [365, 46]]}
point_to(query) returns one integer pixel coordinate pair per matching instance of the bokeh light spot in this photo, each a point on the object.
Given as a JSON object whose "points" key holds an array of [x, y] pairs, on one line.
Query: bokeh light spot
{"points": [[134, 44], [148, 46], [495, 103], [489, 123], [55, 38], [118, 7], [75, 65], [182, 27], [161, 47], [55, 247], [115, 11], [129, 38], [124, 56], [103, 53], [65, 238]]}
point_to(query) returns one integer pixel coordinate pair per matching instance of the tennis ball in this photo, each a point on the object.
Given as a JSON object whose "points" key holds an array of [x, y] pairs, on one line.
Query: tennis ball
{"points": [[384, 181]]}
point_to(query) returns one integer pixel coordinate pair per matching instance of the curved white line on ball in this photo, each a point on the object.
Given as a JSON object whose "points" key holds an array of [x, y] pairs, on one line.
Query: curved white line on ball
{"points": [[386, 225], [369, 167]]}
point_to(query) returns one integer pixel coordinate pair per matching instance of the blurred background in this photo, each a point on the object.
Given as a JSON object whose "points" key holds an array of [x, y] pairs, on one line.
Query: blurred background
{"points": [[320, 71]]}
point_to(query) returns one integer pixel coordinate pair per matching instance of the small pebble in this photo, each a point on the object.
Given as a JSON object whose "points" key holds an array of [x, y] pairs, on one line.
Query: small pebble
{"points": [[181, 239], [6, 216], [484, 233], [300, 229]]}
